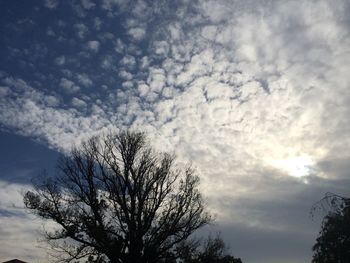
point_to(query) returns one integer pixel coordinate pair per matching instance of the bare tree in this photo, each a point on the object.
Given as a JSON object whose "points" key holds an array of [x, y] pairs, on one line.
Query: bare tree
{"points": [[115, 199]]}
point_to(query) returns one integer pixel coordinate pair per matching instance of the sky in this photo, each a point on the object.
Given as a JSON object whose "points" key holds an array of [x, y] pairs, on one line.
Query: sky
{"points": [[255, 94]]}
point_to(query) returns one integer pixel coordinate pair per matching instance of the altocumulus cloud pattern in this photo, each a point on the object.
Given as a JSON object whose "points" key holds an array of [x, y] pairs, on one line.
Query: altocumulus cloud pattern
{"points": [[254, 93]]}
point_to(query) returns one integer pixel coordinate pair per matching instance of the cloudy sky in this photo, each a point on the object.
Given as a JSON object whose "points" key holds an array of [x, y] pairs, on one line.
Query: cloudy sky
{"points": [[254, 93]]}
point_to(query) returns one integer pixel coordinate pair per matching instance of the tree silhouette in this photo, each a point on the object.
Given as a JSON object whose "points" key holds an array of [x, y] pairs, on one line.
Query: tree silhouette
{"points": [[213, 250], [333, 242], [115, 199]]}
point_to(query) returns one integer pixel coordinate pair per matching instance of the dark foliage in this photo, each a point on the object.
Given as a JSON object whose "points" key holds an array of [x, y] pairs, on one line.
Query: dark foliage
{"points": [[117, 200], [333, 242], [213, 250]]}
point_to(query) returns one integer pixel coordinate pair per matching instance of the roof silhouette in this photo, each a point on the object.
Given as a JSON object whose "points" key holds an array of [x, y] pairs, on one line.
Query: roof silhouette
{"points": [[15, 261]]}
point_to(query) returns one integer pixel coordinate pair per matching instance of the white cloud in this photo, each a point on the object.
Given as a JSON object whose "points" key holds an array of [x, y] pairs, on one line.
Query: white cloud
{"points": [[52, 101], [51, 4], [242, 76], [78, 103], [161, 48], [119, 46], [156, 79], [128, 61], [50, 32], [19, 230], [81, 30], [88, 4], [137, 33], [114, 7], [141, 9], [68, 85], [125, 75], [143, 89], [93, 45], [56, 126], [31, 113], [61, 60], [84, 80], [108, 63], [4, 91], [258, 92], [127, 84], [218, 11], [144, 63], [97, 23], [209, 32]]}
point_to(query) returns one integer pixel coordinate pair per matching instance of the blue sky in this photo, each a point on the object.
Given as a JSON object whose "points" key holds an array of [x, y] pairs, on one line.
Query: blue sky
{"points": [[254, 93]]}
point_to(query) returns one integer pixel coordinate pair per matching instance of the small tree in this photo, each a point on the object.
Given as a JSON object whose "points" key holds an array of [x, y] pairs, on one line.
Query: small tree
{"points": [[333, 242], [117, 200]]}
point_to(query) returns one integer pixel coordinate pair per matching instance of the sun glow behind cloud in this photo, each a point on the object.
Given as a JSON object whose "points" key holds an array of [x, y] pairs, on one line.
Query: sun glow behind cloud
{"points": [[298, 166]]}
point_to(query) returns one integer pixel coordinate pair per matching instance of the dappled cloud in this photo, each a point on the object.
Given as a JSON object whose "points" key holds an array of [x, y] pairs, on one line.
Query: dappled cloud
{"points": [[253, 93]]}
